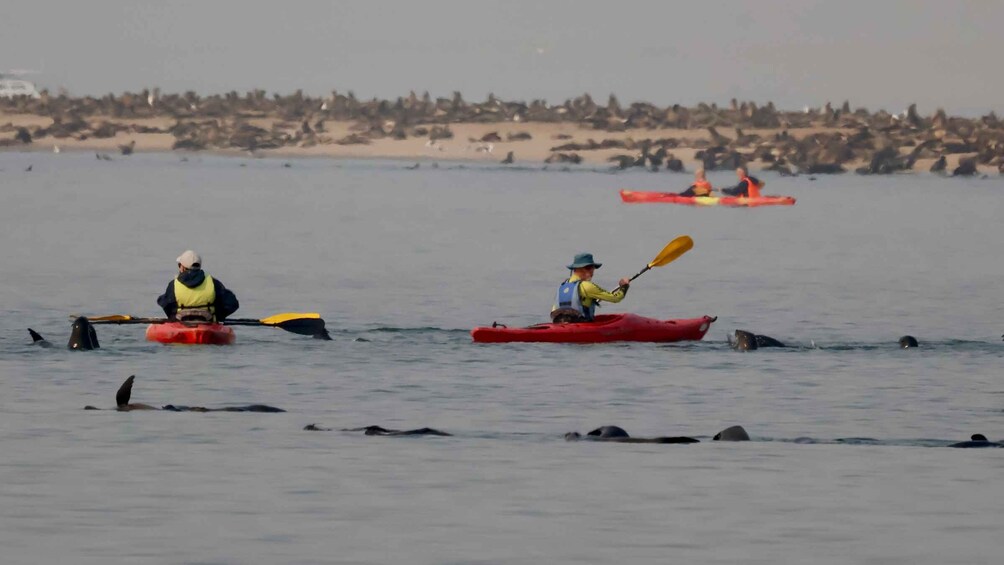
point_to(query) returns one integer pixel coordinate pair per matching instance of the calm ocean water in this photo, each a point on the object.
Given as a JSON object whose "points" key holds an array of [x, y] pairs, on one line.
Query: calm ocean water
{"points": [[402, 263]]}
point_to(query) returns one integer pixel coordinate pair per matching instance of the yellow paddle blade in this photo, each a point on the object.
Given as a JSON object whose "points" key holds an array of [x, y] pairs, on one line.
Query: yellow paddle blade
{"points": [[112, 318], [287, 316], [672, 251]]}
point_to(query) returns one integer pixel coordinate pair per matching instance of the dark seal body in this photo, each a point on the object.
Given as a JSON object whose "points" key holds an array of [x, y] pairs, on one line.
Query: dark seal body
{"points": [[748, 341], [382, 431], [977, 441], [124, 394], [82, 336], [619, 435], [732, 433]]}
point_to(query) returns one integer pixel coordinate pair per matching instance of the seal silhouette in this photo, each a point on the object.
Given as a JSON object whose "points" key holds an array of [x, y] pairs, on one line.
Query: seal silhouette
{"points": [[619, 435], [381, 431], [124, 394], [37, 339], [732, 433], [82, 335], [977, 441], [748, 341]]}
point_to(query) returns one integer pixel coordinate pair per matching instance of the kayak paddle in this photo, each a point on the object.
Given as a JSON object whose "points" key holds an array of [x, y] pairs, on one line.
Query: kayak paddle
{"points": [[309, 323], [673, 250]]}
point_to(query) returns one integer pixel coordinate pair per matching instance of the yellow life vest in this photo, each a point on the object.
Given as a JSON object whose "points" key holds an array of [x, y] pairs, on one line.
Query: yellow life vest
{"points": [[200, 298]]}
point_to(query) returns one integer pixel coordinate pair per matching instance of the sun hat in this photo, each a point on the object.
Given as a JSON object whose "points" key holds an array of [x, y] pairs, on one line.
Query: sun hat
{"points": [[584, 260], [190, 259]]}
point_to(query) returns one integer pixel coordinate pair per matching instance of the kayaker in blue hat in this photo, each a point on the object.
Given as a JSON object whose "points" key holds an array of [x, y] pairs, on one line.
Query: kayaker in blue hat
{"points": [[196, 296], [578, 296]]}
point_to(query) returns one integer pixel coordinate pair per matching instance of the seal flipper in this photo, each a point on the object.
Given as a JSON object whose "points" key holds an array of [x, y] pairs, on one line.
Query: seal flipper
{"points": [[125, 392], [37, 339]]}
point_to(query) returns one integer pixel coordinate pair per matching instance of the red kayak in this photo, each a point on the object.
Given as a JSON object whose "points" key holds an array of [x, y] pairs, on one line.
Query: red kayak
{"points": [[606, 328], [190, 334], [637, 197]]}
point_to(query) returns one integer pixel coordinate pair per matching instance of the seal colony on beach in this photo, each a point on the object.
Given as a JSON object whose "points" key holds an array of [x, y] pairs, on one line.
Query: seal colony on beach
{"points": [[823, 140]]}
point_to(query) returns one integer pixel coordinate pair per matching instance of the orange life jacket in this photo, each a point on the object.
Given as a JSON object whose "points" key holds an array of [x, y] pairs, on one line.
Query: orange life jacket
{"points": [[702, 188], [752, 188]]}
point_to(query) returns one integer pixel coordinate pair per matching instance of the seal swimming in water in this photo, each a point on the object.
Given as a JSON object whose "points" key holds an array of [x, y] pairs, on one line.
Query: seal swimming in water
{"points": [[124, 394], [908, 341], [37, 339], [748, 341], [82, 335], [619, 435], [977, 440], [732, 433], [381, 431]]}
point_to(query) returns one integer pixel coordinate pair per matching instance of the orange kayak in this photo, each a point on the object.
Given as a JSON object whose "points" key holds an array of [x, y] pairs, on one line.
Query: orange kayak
{"points": [[639, 197], [190, 334]]}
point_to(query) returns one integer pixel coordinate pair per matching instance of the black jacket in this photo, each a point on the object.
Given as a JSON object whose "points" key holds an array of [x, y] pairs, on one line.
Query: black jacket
{"points": [[741, 189], [226, 301]]}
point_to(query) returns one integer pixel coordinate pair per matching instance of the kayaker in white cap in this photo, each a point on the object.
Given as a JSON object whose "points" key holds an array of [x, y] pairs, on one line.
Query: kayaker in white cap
{"points": [[194, 295], [578, 295]]}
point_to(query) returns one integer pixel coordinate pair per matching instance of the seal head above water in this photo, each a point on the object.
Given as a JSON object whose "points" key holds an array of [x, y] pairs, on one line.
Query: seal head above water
{"points": [[620, 435], [82, 335], [748, 341]]}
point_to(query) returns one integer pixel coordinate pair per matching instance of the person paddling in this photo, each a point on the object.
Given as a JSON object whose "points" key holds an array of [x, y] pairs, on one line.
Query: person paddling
{"points": [[194, 295], [748, 186], [701, 186], [578, 296]]}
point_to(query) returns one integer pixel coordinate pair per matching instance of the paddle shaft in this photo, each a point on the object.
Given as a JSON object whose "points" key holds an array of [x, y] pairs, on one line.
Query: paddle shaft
{"points": [[670, 253], [640, 273], [303, 326]]}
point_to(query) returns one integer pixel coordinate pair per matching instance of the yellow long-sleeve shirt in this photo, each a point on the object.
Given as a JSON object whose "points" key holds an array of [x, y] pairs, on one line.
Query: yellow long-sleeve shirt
{"points": [[590, 292]]}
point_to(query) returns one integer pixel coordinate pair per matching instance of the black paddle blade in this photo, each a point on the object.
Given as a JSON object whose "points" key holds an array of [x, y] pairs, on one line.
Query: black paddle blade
{"points": [[313, 327]]}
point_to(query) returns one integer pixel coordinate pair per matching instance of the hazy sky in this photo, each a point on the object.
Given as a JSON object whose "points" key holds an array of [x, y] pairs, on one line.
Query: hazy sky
{"points": [[878, 53]]}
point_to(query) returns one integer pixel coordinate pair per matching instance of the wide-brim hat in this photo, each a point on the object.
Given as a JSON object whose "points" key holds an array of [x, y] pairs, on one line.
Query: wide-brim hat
{"points": [[584, 260]]}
